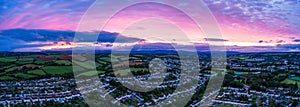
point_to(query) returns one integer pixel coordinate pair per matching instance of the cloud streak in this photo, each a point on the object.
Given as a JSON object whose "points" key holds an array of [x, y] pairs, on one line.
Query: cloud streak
{"points": [[36, 14], [13, 39]]}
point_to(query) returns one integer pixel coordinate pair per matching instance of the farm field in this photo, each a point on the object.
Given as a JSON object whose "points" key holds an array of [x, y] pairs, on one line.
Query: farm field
{"points": [[58, 69], [90, 73], [296, 78], [24, 66], [290, 81], [37, 72]]}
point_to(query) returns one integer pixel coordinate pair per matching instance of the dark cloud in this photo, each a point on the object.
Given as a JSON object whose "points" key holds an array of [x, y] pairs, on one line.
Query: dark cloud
{"points": [[40, 35], [252, 48], [280, 41], [32, 35], [215, 39], [23, 38], [115, 37], [296, 40], [271, 41], [166, 47], [153, 46], [7, 44], [289, 46], [292, 37]]}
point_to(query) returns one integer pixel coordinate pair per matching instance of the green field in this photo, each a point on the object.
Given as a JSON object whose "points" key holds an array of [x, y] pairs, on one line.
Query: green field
{"points": [[126, 71], [6, 78], [58, 69], [8, 59], [29, 56], [86, 65], [65, 62], [41, 62], [5, 67], [225, 105], [90, 73], [289, 81], [10, 73], [219, 69], [102, 62], [78, 68], [24, 62], [9, 69], [240, 73], [37, 72], [24, 66], [25, 76], [242, 57], [296, 78]]}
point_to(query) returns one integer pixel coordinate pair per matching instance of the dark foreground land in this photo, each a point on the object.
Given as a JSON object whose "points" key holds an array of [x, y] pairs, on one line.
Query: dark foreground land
{"points": [[44, 79]]}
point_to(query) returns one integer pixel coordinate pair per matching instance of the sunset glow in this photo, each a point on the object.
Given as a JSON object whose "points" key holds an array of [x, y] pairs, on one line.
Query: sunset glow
{"points": [[242, 23]]}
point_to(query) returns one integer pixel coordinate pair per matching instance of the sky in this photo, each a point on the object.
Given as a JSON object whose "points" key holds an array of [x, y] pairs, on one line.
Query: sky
{"points": [[246, 25]]}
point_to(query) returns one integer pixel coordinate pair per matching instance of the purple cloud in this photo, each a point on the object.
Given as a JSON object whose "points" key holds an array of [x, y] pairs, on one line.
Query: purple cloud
{"points": [[36, 14], [276, 16]]}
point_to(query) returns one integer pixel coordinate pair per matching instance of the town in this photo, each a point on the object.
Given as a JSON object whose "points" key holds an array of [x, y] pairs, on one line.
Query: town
{"points": [[251, 79]]}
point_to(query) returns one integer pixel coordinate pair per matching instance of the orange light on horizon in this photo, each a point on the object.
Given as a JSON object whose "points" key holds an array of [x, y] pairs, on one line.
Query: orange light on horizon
{"points": [[59, 45]]}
